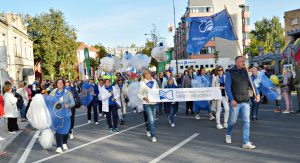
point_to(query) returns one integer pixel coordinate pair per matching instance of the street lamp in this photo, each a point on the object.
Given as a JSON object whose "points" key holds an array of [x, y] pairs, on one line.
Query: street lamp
{"points": [[174, 49]]}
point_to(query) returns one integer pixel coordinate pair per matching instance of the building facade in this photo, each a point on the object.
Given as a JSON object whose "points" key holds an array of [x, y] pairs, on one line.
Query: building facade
{"points": [[292, 33], [17, 47], [240, 15]]}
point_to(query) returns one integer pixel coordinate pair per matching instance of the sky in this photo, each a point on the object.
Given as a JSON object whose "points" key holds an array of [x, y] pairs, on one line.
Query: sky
{"points": [[123, 22]]}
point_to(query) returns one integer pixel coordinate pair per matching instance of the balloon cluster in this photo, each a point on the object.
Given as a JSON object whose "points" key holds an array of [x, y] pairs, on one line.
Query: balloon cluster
{"points": [[110, 64], [159, 54]]}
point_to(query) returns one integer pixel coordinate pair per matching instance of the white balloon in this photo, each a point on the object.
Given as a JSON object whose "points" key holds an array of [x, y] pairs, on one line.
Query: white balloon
{"points": [[134, 101], [140, 61], [126, 60], [159, 54]]}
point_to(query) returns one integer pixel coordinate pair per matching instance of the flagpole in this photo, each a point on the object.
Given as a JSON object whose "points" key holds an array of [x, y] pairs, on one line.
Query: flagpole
{"points": [[240, 50]]}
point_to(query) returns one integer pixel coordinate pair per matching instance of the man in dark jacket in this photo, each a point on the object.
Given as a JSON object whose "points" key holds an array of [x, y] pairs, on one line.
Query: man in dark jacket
{"points": [[237, 89], [187, 83]]}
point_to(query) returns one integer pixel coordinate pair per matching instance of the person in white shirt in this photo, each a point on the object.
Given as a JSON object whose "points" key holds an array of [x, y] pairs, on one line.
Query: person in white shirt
{"points": [[149, 107], [100, 86], [25, 97], [10, 109]]}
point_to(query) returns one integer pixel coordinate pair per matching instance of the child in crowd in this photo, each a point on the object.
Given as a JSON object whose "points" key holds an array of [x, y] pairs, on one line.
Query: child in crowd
{"points": [[171, 106]]}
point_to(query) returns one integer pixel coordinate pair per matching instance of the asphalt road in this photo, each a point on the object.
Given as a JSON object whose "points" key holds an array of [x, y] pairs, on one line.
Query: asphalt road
{"points": [[277, 137]]}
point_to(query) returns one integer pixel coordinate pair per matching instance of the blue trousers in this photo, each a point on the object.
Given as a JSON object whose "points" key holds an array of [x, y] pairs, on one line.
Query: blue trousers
{"points": [[151, 114]]}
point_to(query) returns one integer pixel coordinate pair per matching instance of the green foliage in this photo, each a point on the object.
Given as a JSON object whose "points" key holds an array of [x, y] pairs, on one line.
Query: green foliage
{"points": [[216, 56], [149, 45], [94, 63], [101, 51], [267, 32], [54, 43]]}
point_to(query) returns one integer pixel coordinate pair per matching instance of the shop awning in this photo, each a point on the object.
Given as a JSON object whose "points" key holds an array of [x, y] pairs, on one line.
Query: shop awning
{"points": [[4, 75], [27, 72]]}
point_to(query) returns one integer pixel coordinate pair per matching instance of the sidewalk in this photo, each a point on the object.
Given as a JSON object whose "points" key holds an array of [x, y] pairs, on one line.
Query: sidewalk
{"points": [[10, 137]]}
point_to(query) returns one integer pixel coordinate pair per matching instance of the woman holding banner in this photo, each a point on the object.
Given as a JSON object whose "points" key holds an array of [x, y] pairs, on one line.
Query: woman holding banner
{"points": [[219, 81], [146, 84]]}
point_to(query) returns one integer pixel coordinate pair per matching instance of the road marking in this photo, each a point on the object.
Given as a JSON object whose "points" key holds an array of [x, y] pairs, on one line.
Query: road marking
{"points": [[77, 115], [29, 147], [86, 144], [162, 156]]}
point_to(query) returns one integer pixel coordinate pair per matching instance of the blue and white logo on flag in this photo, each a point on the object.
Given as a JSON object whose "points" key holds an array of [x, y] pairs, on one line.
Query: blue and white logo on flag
{"points": [[168, 95], [202, 29]]}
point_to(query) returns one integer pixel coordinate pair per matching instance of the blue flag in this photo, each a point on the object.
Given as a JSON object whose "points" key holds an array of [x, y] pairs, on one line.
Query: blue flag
{"points": [[202, 29]]}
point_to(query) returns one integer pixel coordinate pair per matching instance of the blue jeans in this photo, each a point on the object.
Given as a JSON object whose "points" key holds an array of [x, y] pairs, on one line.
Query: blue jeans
{"points": [[244, 108], [23, 111], [160, 106], [151, 114], [171, 108], [254, 108]]}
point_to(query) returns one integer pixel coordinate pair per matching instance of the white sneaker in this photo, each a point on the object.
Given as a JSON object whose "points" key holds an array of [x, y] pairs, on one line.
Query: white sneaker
{"points": [[71, 136], [153, 139], [172, 125], [100, 114], [286, 112], [65, 147], [225, 125], [248, 146], [104, 115], [12, 132], [59, 150], [148, 134], [135, 111], [89, 121], [1, 138], [228, 139], [197, 116], [211, 117], [219, 126], [96, 123]]}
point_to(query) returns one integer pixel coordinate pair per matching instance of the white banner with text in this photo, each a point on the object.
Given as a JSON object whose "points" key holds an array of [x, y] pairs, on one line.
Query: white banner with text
{"points": [[184, 94]]}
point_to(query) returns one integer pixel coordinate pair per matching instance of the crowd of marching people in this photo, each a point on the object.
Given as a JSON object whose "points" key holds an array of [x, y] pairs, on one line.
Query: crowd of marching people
{"points": [[240, 88]]}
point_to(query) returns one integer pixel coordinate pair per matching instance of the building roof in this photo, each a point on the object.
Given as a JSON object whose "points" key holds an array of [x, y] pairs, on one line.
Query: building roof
{"points": [[292, 11], [200, 3], [82, 45]]}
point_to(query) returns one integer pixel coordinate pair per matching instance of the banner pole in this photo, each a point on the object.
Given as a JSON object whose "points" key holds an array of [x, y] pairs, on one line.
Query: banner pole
{"points": [[240, 50]]}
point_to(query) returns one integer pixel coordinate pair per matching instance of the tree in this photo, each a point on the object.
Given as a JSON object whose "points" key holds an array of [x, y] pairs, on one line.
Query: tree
{"points": [[216, 56], [94, 63], [54, 43], [101, 51], [267, 32], [133, 45]]}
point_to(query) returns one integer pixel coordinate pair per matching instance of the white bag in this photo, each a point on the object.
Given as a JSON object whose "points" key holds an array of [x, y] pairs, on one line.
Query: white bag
{"points": [[47, 139], [38, 114], [134, 101]]}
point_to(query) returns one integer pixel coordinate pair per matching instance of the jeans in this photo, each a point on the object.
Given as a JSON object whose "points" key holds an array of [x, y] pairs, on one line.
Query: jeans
{"points": [[93, 104], [151, 114], [254, 107], [23, 111], [112, 114], [73, 112], [61, 139], [244, 108], [160, 106], [171, 108]]}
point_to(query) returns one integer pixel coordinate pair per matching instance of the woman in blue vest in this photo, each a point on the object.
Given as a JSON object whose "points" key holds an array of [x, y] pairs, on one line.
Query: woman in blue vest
{"points": [[61, 114]]}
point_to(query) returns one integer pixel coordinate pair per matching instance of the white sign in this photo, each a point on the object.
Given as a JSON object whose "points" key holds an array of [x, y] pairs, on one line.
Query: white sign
{"points": [[184, 94]]}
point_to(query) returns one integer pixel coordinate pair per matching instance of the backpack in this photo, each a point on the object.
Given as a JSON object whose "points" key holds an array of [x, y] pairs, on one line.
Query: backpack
{"points": [[291, 84], [20, 102]]}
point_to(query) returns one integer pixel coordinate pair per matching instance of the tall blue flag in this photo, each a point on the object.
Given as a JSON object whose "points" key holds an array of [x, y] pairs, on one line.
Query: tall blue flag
{"points": [[202, 29]]}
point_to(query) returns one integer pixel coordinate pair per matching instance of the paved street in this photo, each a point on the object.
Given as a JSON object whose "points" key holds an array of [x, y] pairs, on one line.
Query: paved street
{"points": [[275, 135]]}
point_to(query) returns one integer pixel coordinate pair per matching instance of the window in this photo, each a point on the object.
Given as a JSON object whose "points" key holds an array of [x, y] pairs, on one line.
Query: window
{"points": [[211, 66], [196, 66], [181, 67], [186, 67], [246, 35], [294, 21], [206, 66], [15, 46], [246, 21]]}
